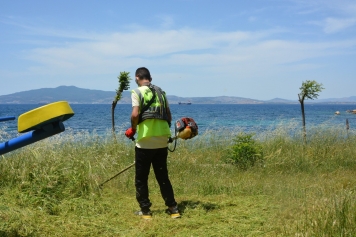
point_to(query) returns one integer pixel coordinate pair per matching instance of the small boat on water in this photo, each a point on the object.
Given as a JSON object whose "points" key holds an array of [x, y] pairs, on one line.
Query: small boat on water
{"points": [[351, 111], [185, 103]]}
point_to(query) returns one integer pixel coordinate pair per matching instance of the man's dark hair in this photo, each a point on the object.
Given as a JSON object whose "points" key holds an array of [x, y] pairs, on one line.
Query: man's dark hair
{"points": [[143, 73]]}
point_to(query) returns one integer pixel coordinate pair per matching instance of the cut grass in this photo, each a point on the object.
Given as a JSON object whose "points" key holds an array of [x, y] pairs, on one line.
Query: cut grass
{"points": [[51, 188]]}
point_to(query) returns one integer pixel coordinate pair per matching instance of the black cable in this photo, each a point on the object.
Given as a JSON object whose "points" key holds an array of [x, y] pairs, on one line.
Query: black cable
{"points": [[170, 140]]}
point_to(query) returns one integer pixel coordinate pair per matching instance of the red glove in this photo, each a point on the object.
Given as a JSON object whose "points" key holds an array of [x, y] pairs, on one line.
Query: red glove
{"points": [[130, 132]]}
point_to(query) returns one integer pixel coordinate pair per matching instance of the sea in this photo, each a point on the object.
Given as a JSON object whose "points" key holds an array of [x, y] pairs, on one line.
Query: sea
{"points": [[96, 118]]}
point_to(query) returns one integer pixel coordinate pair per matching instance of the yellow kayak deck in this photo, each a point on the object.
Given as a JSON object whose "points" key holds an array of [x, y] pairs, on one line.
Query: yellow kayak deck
{"points": [[39, 117]]}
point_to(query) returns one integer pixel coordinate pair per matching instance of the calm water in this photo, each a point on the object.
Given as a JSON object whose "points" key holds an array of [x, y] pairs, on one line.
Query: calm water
{"points": [[246, 117]]}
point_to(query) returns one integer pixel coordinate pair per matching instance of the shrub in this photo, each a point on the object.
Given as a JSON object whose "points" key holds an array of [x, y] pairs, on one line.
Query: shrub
{"points": [[245, 151]]}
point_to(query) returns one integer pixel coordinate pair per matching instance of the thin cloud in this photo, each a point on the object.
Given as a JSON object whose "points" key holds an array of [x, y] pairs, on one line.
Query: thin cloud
{"points": [[184, 47], [333, 25], [341, 13], [167, 21]]}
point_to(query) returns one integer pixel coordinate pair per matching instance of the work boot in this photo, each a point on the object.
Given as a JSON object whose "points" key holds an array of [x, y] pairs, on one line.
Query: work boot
{"points": [[173, 212], [144, 214]]}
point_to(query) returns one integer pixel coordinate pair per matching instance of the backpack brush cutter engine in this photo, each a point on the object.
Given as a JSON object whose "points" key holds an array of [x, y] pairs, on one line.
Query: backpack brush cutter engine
{"points": [[185, 128]]}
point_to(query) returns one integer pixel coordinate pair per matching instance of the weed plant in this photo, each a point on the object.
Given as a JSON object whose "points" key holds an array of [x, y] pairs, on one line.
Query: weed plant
{"points": [[51, 188], [245, 152]]}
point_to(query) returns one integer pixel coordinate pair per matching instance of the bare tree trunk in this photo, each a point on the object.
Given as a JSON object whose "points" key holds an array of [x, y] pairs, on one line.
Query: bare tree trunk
{"points": [[113, 105], [304, 129], [301, 100], [124, 84]]}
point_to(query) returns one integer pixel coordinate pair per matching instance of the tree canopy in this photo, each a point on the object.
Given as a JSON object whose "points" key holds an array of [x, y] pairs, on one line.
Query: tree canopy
{"points": [[124, 84], [310, 90]]}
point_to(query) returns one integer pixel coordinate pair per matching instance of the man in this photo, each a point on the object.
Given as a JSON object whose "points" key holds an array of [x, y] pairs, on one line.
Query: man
{"points": [[151, 118]]}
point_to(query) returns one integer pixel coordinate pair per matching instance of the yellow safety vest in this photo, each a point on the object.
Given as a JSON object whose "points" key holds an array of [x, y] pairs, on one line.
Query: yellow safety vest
{"points": [[153, 121]]}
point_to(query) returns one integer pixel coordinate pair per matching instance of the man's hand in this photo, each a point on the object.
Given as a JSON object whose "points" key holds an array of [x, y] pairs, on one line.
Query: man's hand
{"points": [[130, 132]]}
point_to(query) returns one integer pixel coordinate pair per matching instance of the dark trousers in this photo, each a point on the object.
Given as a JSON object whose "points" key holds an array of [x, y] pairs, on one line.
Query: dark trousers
{"points": [[143, 160]]}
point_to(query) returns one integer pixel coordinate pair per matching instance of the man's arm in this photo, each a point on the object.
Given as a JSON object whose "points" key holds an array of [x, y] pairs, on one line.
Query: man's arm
{"points": [[169, 115], [135, 116]]}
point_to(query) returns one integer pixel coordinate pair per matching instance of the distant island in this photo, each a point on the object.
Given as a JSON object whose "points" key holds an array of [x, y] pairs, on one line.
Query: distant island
{"points": [[75, 95]]}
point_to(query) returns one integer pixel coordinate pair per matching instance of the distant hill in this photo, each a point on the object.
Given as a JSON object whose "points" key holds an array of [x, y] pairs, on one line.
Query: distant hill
{"points": [[351, 99], [71, 94], [75, 95], [213, 100], [281, 101]]}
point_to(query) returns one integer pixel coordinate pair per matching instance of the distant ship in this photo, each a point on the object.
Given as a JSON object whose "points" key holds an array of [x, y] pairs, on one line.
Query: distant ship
{"points": [[185, 103]]}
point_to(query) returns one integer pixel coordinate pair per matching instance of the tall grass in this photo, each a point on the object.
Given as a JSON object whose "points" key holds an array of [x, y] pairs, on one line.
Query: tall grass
{"points": [[51, 188]]}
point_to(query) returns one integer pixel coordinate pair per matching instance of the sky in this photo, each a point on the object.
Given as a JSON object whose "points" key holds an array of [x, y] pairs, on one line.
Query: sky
{"points": [[258, 49]]}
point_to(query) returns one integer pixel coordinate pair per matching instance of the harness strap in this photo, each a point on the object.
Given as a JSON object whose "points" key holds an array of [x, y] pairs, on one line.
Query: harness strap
{"points": [[162, 103], [148, 104]]}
